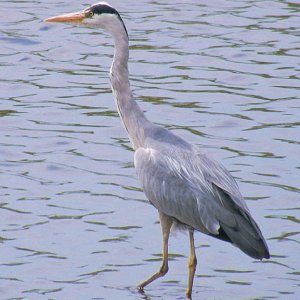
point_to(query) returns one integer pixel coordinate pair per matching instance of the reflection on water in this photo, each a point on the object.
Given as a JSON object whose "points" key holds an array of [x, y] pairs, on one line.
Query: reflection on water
{"points": [[75, 223]]}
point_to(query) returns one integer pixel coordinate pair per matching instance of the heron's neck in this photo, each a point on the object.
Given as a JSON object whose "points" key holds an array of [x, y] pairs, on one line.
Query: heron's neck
{"points": [[132, 116]]}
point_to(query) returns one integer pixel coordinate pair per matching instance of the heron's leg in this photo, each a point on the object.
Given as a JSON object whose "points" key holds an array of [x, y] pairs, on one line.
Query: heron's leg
{"points": [[192, 265], [166, 224]]}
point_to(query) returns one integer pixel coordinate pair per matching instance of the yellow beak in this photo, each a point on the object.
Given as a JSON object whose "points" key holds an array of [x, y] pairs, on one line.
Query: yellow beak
{"points": [[76, 18]]}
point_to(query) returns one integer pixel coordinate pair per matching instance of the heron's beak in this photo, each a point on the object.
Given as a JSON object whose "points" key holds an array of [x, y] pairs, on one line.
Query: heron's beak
{"points": [[73, 18]]}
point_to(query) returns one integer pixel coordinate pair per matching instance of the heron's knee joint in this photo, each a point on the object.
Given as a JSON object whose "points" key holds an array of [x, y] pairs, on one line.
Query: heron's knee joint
{"points": [[164, 270], [192, 262]]}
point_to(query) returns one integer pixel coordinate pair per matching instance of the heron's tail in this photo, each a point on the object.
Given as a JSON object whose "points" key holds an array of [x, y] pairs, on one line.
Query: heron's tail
{"points": [[247, 236], [240, 228]]}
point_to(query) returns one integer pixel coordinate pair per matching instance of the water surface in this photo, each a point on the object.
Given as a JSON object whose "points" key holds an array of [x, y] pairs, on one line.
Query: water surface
{"points": [[74, 221]]}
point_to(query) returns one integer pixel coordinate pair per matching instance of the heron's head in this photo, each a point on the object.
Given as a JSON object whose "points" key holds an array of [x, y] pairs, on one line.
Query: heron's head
{"points": [[100, 15]]}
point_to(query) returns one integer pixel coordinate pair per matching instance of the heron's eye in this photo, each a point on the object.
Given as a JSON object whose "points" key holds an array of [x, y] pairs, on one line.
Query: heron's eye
{"points": [[91, 14]]}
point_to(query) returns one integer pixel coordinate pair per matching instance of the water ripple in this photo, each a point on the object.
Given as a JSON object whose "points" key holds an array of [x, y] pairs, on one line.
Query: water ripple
{"points": [[75, 223]]}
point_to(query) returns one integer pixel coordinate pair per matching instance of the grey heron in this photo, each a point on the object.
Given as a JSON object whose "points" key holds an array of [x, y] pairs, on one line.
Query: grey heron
{"points": [[187, 187]]}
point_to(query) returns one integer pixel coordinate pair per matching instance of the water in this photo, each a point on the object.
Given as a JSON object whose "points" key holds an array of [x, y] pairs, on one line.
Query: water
{"points": [[74, 221]]}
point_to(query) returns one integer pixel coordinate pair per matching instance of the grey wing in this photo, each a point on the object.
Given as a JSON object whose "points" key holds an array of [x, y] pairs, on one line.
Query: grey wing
{"points": [[169, 190], [200, 193]]}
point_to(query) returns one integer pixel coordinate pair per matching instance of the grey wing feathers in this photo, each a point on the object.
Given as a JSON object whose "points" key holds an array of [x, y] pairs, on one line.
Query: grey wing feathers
{"points": [[168, 190], [201, 193]]}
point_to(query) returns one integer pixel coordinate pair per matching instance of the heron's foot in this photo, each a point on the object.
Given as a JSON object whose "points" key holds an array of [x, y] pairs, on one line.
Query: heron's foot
{"points": [[141, 289], [189, 294], [162, 272]]}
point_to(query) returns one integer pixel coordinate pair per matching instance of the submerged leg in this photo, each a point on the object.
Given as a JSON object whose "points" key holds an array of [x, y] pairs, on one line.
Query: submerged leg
{"points": [[166, 224], [192, 265]]}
